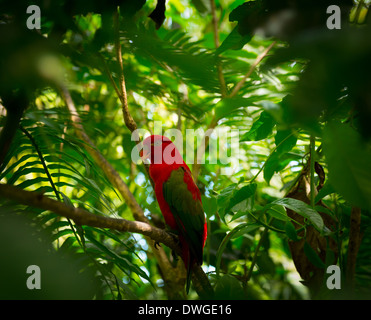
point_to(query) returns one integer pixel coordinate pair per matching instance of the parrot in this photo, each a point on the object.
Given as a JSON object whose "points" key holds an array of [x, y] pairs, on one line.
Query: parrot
{"points": [[178, 197]]}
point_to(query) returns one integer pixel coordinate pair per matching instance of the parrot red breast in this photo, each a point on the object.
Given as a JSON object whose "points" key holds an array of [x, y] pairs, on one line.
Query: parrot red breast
{"points": [[178, 197]]}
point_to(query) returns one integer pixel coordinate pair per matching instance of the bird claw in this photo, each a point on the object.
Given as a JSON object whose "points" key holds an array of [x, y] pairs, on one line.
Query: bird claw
{"points": [[157, 244], [174, 255], [174, 235]]}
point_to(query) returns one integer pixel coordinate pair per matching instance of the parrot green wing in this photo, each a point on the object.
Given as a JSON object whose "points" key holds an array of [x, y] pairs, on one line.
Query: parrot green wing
{"points": [[187, 211]]}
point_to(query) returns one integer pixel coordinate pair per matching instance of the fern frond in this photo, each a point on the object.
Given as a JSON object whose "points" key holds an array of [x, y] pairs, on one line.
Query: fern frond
{"points": [[176, 51]]}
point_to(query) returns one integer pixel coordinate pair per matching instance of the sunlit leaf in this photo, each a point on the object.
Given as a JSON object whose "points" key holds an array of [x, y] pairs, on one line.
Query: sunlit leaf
{"points": [[304, 210], [260, 129]]}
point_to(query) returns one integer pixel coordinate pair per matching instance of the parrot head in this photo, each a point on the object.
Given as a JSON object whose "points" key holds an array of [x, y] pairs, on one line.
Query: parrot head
{"points": [[160, 150]]}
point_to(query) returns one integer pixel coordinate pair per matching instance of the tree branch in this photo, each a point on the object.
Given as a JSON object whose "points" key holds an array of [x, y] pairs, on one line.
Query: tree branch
{"points": [[112, 176], [109, 171], [83, 217]]}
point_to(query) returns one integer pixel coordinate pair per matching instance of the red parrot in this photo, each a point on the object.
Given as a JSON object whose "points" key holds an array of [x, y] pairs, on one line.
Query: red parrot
{"points": [[178, 197]]}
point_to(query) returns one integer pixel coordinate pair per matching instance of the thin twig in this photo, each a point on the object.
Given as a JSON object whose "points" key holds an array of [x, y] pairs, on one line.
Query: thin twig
{"points": [[259, 58], [109, 75], [256, 252], [202, 149], [223, 87], [129, 121], [205, 141]]}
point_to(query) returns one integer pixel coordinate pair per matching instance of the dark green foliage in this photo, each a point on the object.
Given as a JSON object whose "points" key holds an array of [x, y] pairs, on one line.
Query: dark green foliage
{"points": [[64, 275], [286, 18], [302, 111]]}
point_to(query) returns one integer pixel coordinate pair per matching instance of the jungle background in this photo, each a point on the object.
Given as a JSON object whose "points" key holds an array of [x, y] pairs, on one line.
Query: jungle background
{"points": [[74, 203]]}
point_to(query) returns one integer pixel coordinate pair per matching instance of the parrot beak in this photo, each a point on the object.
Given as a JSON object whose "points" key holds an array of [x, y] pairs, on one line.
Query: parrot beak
{"points": [[144, 154]]}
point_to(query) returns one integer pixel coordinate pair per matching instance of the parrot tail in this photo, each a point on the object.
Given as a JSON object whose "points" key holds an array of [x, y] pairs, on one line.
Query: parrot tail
{"points": [[189, 275], [188, 260]]}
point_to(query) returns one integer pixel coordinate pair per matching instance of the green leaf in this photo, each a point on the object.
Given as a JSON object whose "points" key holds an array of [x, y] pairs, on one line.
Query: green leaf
{"points": [[224, 197], [248, 16], [116, 237], [202, 6], [223, 244], [129, 294], [228, 287], [250, 228], [239, 214], [234, 41], [349, 164], [291, 231], [304, 210], [265, 263], [272, 108], [124, 264], [67, 201], [283, 145], [227, 106], [271, 166], [18, 162], [260, 129], [278, 212], [210, 205], [325, 190], [61, 233], [191, 63], [30, 182], [26, 170], [241, 194], [313, 256], [324, 210]]}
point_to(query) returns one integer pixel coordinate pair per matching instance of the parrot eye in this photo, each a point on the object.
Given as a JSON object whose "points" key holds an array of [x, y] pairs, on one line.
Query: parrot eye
{"points": [[157, 143]]}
